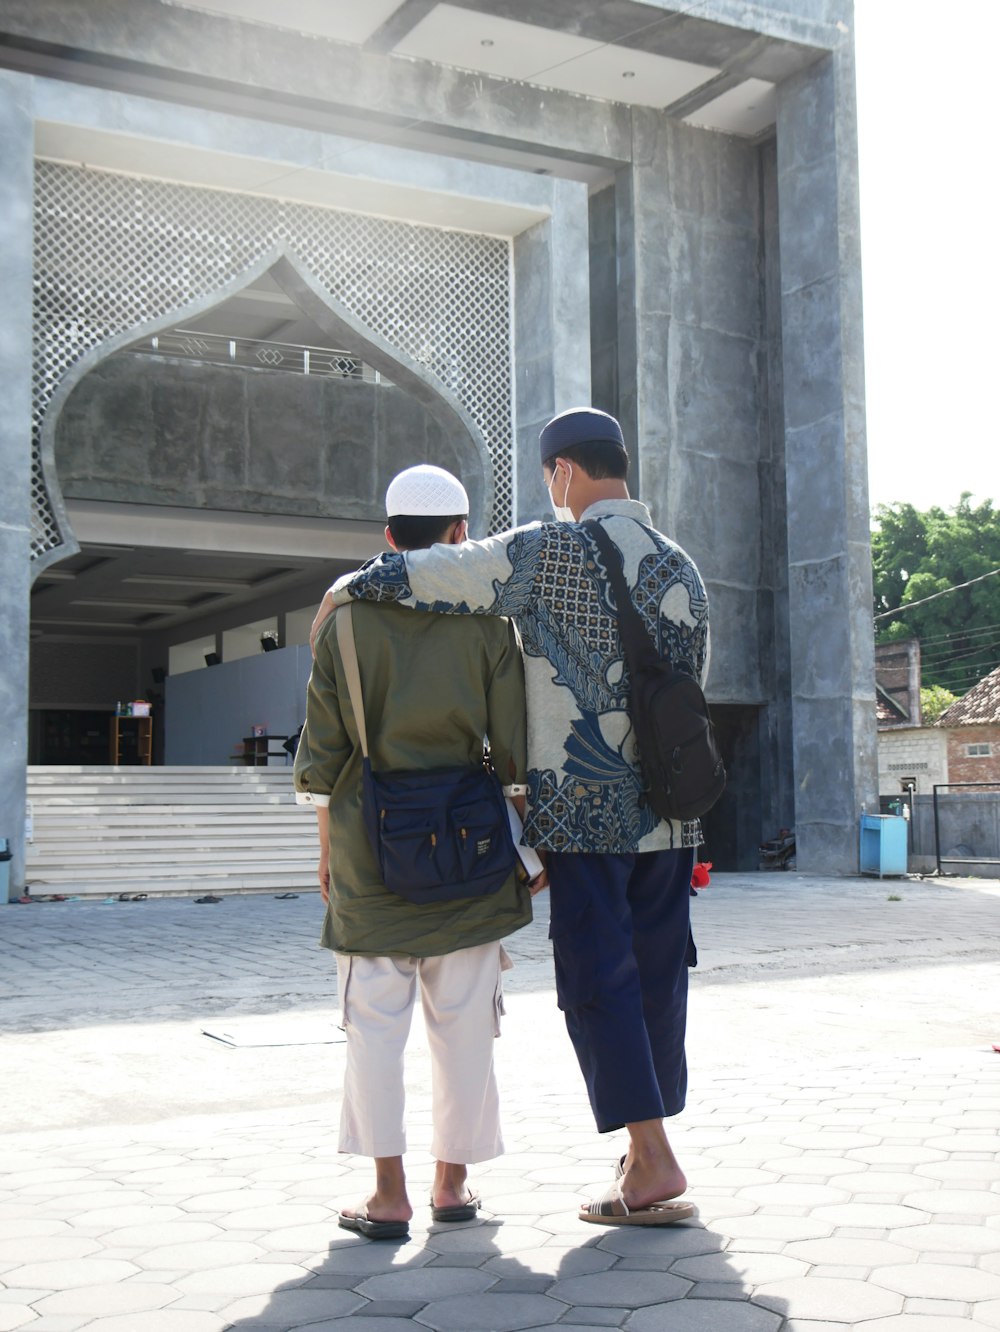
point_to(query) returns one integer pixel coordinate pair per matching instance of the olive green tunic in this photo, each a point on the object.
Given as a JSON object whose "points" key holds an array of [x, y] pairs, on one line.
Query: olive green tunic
{"points": [[433, 686]]}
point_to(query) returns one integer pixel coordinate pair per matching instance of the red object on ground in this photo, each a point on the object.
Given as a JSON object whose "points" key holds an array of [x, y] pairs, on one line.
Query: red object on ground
{"points": [[700, 878]]}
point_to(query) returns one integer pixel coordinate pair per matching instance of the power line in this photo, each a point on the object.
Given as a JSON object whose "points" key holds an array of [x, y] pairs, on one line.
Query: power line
{"points": [[958, 633], [911, 605]]}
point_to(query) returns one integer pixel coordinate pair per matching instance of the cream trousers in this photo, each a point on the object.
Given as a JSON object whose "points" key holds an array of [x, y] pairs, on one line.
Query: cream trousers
{"points": [[461, 996]]}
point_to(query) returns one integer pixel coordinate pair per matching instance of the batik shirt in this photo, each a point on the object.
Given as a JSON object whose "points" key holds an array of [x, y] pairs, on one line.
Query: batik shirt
{"points": [[584, 783]]}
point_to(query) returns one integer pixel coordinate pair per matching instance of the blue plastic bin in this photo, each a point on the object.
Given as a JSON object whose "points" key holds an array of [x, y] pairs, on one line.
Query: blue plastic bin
{"points": [[4, 871], [883, 845]]}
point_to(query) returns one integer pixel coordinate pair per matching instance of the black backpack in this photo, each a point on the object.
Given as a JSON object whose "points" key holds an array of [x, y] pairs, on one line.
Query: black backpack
{"points": [[681, 765]]}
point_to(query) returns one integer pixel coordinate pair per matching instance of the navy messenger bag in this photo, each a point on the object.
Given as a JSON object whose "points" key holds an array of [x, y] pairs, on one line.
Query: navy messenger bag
{"points": [[440, 834]]}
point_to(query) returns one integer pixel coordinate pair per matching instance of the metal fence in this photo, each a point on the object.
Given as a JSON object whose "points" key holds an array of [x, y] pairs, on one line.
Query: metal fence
{"points": [[966, 827]]}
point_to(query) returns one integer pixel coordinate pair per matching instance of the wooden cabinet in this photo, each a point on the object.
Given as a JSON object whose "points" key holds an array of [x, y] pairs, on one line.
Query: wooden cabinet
{"points": [[142, 728]]}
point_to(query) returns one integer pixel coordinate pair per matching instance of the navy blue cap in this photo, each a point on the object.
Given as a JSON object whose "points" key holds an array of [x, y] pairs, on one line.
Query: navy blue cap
{"points": [[580, 425]]}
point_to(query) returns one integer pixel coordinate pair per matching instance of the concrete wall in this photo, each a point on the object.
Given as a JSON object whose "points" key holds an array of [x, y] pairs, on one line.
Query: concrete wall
{"points": [[208, 713], [151, 430], [910, 751]]}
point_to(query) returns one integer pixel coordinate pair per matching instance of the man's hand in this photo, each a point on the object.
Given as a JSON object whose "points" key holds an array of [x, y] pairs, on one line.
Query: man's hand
{"points": [[326, 609], [541, 881], [323, 874]]}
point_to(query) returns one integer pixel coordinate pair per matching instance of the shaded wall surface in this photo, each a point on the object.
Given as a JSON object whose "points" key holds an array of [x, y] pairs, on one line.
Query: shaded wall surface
{"points": [[151, 430], [208, 713]]}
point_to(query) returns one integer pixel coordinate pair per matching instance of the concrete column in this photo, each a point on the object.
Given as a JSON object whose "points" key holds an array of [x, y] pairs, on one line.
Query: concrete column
{"points": [[689, 369], [551, 333], [16, 171], [829, 594]]}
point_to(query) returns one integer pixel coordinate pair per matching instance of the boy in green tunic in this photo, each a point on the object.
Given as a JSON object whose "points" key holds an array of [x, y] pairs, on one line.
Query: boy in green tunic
{"points": [[433, 686]]}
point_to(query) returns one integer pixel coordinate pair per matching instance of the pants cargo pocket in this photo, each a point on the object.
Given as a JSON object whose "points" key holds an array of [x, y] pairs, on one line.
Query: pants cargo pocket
{"points": [[344, 988], [574, 952]]}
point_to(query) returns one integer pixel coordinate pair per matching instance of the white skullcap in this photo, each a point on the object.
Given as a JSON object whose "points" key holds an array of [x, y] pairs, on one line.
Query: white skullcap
{"points": [[426, 492]]}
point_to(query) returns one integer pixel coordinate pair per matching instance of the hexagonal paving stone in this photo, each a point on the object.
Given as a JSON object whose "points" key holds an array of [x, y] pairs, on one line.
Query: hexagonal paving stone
{"points": [[897, 1155], [550, 1260], [663, 1242], [156, 1236], [956, 1202], [989, 1313], [896, 1182], [433, 1283], [620, 1290], [783, 1194], [273, 1218], [488, 1239], [942, 1238], [104, 1219], [16, 1316], [846, 1252], [124, 1297], [282, 1309], [243, 1279], [194, 1257], [763, 1226], [65, 1276], [908, 1322], [45, 1248], [490, 1313], [705, 1316], [162, 1320], [361, 1258], [938, 1281], [540, 1202], [875, 1216], [312, 1239], [980, 1172], [231, 1200], [828, 1297], [746, 1269], [809, 1163]]}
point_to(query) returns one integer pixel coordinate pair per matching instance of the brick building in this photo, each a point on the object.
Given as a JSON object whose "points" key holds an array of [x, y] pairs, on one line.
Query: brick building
{"points": [[972, 730]]}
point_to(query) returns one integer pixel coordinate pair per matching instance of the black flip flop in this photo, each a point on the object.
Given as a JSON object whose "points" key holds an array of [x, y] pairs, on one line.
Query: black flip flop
{"points": [[374, 1230], [464, 1212]]}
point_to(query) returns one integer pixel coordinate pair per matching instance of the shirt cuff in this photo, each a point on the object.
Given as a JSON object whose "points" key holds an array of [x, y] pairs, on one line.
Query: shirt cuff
{"points": [[516, 789], [339, 591], [312, 798]]}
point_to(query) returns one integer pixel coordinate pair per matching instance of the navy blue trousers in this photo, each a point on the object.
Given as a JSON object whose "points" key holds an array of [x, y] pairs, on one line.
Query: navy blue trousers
{"points": [[621, 938]]}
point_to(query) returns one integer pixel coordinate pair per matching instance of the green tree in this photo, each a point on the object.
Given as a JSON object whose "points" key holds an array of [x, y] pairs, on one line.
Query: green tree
{"points": [[933, 701], [918, 553]]}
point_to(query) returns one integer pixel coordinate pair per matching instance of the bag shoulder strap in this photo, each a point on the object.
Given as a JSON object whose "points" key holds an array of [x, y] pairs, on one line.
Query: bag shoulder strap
{"points": [[349, 656], [635, 637]]}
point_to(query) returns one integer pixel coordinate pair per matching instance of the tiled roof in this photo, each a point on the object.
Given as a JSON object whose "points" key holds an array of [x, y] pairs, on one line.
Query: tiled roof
{"points": [[979, 707]]}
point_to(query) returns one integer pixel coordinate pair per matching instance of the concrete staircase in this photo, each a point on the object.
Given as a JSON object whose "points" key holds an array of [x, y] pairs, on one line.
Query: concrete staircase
{"points": [[166, 831]]}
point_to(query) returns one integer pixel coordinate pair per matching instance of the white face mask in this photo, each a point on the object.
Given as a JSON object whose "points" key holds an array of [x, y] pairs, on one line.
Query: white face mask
{"points": [[562, 512]]}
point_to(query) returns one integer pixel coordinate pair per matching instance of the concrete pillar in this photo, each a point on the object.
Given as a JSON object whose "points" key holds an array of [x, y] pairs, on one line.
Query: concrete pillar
{"points": [[689, 369], [551, 333], [16, 171], [829, 594]]}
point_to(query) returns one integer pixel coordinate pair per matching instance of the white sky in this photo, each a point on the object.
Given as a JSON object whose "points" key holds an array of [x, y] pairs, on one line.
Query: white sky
{"points": [[930, 231]]}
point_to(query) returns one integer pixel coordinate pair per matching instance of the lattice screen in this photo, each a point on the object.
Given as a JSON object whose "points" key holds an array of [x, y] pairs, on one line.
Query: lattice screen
{"points": [[113, 252]]}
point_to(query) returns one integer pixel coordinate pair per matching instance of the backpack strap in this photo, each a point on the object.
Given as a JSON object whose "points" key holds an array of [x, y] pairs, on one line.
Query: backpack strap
{"points": [[635, 638], [349, 656]]}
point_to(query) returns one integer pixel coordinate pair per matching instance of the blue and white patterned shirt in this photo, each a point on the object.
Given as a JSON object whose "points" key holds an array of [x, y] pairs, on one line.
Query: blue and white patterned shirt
{"points": [[584, 783]]}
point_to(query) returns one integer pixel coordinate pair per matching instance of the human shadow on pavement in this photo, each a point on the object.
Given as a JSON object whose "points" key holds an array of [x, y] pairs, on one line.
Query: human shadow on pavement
{"points": [[498, 1273]]}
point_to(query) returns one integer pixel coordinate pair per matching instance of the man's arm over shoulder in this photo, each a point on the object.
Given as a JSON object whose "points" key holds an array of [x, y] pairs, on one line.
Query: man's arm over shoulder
{"points": [[491, 577]]}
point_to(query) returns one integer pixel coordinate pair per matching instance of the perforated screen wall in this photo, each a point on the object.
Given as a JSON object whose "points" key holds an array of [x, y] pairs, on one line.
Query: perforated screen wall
{"points": [[113, 252]]}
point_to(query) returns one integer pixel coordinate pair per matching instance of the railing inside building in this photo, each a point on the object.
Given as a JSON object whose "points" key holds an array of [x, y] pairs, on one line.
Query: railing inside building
{"points": [[257, 354]]}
